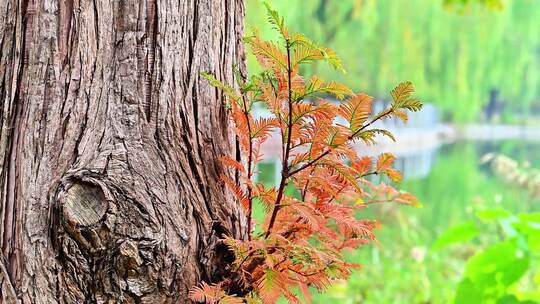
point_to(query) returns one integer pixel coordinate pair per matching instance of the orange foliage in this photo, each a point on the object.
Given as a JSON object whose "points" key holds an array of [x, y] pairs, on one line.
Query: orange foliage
{"points": [[304, 235]]}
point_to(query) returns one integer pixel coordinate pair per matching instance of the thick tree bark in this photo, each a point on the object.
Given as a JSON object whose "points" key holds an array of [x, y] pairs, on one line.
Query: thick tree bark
{"points": [[109, 148]]}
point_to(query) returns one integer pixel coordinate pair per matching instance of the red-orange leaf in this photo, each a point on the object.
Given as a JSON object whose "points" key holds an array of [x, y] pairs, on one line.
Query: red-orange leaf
{"points": [[363, 165], [237, 191], [231, 163]]}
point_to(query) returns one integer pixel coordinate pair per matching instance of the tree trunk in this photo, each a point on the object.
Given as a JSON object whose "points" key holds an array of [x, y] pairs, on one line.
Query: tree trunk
{"points": [[109, 148]]}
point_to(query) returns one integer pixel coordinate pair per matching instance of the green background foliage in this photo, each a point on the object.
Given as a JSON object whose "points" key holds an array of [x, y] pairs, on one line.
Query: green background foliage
{"points": [[455, 53]]}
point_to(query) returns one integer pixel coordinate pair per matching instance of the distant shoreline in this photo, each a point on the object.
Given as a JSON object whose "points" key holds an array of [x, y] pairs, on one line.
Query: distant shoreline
{"points": [[411, 140], [497, 132]]}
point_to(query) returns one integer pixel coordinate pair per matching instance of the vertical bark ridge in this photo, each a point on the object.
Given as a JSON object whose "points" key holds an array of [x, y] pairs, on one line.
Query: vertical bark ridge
{"points": [[11, 207]]}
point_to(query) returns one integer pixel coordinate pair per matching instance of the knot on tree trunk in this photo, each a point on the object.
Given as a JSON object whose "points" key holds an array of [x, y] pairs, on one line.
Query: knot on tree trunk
{"points": [[84, 215], [105, 246], [84, 204]]}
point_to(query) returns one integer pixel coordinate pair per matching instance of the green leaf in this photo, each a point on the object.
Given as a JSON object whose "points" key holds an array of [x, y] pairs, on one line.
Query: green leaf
{"points": [[530, 222], [332, 58], [533, 241], [457, 234], [468, 293], [491, 214], [490, 273], [512, 299], [501, 264], [318, 86], [403, 97], [228, 90], [276, 20], [368, 136], [306, 51]]}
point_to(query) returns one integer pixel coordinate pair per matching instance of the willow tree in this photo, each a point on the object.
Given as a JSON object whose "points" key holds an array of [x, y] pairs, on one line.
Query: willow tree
{"points": [[109, 148], [456, 54]]}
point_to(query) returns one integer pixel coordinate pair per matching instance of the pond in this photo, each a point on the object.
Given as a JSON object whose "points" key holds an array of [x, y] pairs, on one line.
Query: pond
{"points": [[450, 182]]}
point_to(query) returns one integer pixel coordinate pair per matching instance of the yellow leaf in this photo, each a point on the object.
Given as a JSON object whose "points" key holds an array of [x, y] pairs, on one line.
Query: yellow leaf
{"points": [[385, 161]]}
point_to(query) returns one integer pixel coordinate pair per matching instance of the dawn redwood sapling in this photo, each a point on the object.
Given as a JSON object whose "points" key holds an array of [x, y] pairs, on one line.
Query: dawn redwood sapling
{"points": [[304, 235]]}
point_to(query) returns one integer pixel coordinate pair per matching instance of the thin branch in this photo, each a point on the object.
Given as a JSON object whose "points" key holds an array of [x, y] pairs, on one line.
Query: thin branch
{"points": [[251, 252], [369, 173], [311, 162], [381, 201], [249, 173], [386, 113], [285, 164], [310, 273], [304, 191], [334, 196]]}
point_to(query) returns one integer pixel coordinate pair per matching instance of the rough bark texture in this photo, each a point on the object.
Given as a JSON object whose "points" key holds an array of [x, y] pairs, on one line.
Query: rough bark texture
{"points": [[109, 148]]}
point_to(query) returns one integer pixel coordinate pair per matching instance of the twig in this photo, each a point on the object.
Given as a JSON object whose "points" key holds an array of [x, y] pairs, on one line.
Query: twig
{"points": [[285, 164], [293, 172], [249, 173]]}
